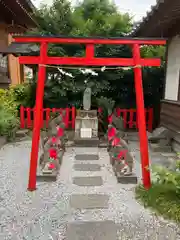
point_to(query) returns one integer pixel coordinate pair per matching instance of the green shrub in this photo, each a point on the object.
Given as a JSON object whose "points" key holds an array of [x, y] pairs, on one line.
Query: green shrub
{"points": [[7, 100], [22, 95], [162, 199], [9, 121], [164, 195], [168, 176]]}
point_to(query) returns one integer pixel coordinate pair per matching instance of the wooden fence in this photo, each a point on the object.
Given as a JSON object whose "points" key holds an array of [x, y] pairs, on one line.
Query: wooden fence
{"points": [[128, 115]]}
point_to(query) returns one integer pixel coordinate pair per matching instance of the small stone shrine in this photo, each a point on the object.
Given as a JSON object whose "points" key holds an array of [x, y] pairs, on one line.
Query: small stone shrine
{"points": [[86, 124]]}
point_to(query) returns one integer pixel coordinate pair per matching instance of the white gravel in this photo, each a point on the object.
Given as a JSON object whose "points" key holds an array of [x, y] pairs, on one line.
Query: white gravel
{"points": [[44, 214]]}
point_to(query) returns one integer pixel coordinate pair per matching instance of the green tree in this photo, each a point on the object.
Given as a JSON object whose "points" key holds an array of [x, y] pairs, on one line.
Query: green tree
{"points": [[92, 18]]}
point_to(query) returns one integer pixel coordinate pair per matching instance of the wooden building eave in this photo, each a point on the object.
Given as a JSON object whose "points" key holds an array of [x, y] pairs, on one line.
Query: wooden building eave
{"points": [[162, 21], [18, 12]]}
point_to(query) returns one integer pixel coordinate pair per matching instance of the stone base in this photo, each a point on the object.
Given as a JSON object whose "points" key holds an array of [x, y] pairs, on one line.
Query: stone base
{"points": [[47, 177], [86, 142], [123, 179], [157, 148], [22, 133]]}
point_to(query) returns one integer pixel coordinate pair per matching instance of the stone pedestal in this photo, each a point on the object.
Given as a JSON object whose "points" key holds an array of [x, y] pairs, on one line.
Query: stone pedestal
{"points": [[86, 128], [86, 120]]}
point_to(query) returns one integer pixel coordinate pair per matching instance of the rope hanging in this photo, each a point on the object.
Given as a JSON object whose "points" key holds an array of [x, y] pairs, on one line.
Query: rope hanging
{"points": [[102, 69], [87, 70]]}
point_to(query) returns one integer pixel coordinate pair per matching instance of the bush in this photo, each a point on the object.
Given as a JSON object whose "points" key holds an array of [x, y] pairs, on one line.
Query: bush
{"points": [[9, 121], [22, 95], [162, 199], [166, 176], [164, 195]]}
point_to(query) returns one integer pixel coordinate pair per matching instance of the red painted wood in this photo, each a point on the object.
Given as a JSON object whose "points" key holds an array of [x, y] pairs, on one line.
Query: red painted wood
{"points": [[22, 117], [29, 122], [89, 40], [73, 112], [141, 119], [90, 51], [125, 117], [37, 119], [67, 118], [86, 61], [131, 115]]}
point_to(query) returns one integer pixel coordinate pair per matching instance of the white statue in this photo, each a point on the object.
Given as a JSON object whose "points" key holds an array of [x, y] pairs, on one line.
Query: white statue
{"points": [[87, 99]]}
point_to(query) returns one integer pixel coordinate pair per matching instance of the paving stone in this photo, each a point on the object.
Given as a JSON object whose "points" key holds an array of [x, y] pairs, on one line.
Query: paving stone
{"points": [[88, 181], [169, 154], [88, 157], [89, 201], [104, 230], [87, 167], [86, 142], [158, 148]]}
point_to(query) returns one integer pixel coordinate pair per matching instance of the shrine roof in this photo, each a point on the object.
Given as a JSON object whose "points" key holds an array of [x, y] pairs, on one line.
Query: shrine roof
{"points": [[20, 49], [18, 12], [162, 21]]}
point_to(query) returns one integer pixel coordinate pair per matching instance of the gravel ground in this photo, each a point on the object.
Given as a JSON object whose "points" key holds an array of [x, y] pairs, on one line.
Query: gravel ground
{"points": [[44, 214]]}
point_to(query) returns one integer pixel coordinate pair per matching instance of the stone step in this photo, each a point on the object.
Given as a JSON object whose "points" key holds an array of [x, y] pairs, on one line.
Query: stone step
{"points": [[86, 157], [86, 142], [89, 201], [22, 132], [157, 148], [97, 230], [88, 181], [87, 167]]}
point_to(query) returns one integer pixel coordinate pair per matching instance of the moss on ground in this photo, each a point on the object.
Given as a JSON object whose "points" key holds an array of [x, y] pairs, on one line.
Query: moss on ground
{"points": [[162, 199]]}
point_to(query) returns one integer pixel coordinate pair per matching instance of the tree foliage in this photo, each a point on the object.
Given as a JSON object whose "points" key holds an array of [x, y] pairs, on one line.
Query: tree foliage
{"points": [[92, 18]]}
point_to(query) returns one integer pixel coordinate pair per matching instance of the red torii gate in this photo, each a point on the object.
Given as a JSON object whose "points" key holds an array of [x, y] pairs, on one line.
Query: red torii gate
{"points": [[89, 60]]}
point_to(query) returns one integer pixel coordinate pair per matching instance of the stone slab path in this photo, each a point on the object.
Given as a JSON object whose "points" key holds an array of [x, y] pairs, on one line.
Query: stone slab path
{"points": [[78, 205]]}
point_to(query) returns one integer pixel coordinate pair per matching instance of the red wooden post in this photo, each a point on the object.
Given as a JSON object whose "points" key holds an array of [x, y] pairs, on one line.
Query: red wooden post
{"points": [[29, 122], [131, 115], [118, 112], [73, 111], [37, 118], [125, 117], [67, 118], [141, 118], [22, 119]]}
